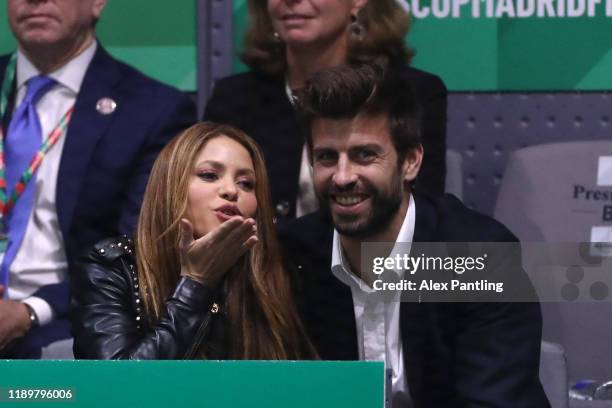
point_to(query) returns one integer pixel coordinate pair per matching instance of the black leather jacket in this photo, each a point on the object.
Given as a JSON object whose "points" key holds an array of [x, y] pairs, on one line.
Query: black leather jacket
{"points": [[108, 320]]}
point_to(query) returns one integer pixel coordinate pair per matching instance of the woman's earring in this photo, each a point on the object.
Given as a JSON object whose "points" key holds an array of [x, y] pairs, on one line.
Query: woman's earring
{"points": [[357, 29], [276, 37]]}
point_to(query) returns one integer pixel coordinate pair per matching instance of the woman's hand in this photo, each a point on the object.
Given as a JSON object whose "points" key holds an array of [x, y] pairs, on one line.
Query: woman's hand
{"points": [[210, 257]]}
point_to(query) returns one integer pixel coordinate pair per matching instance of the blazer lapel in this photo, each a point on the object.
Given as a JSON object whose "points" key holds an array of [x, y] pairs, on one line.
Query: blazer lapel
{"points": [[414, 317], [425, 219], [284, 139], [3, 63], [86, 128], [5, 119]]}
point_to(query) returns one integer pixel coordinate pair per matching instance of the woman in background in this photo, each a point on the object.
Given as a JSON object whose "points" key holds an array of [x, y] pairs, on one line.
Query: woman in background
{"points": [[204, 278], [286, 42]]}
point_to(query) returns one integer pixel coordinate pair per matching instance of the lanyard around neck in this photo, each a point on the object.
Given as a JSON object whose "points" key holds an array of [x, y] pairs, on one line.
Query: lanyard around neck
{"points": [[7, 202]]}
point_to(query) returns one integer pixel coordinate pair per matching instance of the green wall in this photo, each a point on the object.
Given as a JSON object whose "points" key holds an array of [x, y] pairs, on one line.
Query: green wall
{"points": [[510, 53], [157, 37], [470, 53]]}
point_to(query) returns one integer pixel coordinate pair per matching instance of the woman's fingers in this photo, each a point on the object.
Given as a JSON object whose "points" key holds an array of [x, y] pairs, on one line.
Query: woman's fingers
{"points": [[249, 232], [250, 243], [223, 231], [208, 258], [236, 242], [229, 231], [227, 239], [238, 235], [186, 237]]}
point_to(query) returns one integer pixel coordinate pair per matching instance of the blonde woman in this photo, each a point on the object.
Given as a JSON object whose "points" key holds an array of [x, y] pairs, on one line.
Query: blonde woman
{"points": [[203, 278]]}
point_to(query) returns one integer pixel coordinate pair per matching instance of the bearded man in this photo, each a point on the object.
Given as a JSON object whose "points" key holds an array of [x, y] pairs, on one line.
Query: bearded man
{"points": [[365, 150]]}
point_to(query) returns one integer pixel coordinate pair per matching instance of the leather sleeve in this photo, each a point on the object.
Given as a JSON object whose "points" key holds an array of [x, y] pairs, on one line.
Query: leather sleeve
{"points": [[106, 323]]}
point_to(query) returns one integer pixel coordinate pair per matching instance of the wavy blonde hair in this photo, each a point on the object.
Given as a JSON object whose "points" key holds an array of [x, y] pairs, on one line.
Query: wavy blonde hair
{"points": [[386, 25], [262, 318]]}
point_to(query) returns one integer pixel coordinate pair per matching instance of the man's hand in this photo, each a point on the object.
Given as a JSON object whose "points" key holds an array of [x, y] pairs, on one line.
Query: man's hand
{"points": [[14, 321], [210, 257]]}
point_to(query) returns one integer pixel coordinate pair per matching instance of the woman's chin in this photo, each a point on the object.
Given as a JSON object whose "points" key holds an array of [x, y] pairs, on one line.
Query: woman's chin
{"points": [[299, 39]]}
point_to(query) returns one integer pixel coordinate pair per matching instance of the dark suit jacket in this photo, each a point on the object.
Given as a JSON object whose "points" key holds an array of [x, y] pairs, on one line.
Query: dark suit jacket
{"points": [[455, 354], [107, 158], [258, 104]]}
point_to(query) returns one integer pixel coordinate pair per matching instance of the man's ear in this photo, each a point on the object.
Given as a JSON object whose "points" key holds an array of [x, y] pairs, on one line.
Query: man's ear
{"points": [[412, 164], [97, 7]]}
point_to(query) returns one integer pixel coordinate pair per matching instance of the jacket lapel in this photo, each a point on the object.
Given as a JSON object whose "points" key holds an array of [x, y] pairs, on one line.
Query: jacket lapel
{"points": [[5, 119], [86, 128], [3, 63], [414, 317], [284, 139], [426, 219]]}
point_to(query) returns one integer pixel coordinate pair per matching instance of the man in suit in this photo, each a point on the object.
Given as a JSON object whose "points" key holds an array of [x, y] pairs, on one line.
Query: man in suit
{"points": [[111, 121], [365, 150]]}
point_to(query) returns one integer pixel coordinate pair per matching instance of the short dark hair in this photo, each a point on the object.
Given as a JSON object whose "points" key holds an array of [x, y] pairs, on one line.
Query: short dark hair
{"points": [[344, 92]]}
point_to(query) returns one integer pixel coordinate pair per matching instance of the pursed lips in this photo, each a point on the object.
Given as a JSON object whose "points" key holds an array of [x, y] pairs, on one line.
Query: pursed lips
{"points": [[229, 210]]}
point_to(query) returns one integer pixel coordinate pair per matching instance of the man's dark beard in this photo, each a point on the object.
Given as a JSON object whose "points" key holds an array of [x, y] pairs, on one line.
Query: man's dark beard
{"points": [[384, 209]]}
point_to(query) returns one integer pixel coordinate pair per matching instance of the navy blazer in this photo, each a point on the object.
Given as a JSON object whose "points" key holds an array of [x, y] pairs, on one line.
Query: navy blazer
{"points": [[106, 159], [258, 104], [455, 354]]}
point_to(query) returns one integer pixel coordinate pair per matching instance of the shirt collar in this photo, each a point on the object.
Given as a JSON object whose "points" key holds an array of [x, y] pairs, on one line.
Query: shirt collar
{"points": [[70, 75], [340, 267]]}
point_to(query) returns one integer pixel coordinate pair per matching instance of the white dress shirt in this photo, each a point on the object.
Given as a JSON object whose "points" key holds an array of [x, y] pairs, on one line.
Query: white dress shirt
{"points": [[377, 320], [41, 258]]}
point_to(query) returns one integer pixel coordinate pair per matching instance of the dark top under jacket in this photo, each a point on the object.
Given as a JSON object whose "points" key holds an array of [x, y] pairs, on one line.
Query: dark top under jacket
{"points": [[455, 354], [108, 319], [258, 104]]}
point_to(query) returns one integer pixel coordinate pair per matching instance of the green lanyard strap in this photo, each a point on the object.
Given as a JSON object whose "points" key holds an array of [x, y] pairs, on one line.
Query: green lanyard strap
{"points": [[6, 202]]}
